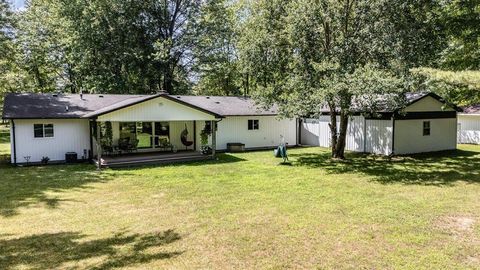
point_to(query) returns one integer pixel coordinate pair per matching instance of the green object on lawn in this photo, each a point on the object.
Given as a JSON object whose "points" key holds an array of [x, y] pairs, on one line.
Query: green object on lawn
{"points": [[281, 151]]}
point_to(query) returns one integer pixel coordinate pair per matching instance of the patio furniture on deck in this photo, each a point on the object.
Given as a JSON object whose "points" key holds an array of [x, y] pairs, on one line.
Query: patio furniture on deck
{"points": [[164, 144], [128, 144]]}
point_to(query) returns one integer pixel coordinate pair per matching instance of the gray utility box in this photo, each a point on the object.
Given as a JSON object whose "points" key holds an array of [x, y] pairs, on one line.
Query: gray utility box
{"points": [[235, 147]]}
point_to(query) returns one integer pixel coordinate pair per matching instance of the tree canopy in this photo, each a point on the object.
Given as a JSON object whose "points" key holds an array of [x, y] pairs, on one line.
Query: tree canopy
{"points": [[294, 53]]}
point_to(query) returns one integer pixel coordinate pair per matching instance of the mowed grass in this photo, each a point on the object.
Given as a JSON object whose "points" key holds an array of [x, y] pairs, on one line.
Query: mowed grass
{"points": [[247, 211], [4, 141]]}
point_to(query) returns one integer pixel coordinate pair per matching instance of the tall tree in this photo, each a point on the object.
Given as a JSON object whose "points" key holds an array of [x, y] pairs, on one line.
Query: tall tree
{"points": [[460, 22], [456, 75], [108, 45], [458, 87], [132, 46], [215, 52], [306, 53], [42, 42], [13, 76]]}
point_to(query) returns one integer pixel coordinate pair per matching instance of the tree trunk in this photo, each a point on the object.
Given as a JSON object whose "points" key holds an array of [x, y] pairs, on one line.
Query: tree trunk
{"points": [[342, 137], [333, 128]]}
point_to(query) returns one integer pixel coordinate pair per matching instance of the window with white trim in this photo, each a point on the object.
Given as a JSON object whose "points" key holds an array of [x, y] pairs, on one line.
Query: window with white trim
{"points": [[253, 125], [426, 128], [43, 130]]}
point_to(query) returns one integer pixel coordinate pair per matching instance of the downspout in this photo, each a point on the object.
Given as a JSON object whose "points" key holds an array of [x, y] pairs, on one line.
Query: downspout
{"points": [[393, 135], [90, 155], [194, 135], [14, 144], [99, 147]]}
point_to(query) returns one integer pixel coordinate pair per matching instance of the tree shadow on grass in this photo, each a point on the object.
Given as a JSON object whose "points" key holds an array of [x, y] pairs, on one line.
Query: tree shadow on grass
{"points": [[51, 251], [21, 187], [438, 169]]}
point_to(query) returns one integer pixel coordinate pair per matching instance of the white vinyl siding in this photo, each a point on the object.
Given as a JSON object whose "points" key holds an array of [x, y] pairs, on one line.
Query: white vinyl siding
{"points": [[176, 128], [409, 136], [70, 135], [157, 109], [379, 134], [324, 137], [355, 131], [234, 129], [310, 131], [469, 128]]}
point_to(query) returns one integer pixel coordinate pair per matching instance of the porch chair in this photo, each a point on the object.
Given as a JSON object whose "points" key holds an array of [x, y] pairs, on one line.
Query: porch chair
{"points": [[164, 144], [183, 138], [128, 144]]}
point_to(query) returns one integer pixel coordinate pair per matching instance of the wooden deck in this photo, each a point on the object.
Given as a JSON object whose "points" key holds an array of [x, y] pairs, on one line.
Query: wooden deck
{"points": [[136, 159]]}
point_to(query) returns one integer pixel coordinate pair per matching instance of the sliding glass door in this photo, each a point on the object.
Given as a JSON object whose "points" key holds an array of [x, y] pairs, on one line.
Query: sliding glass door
{"points": [[144, 135]]}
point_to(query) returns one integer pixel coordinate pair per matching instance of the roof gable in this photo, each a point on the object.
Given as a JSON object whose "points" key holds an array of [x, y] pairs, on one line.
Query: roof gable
{"points": [[428, 103], [159, 108]]}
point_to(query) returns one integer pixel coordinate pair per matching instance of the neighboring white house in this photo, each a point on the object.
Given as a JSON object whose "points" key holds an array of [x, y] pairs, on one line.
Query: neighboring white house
{"points": [[426, 124], [50, 125], [469, 125]]}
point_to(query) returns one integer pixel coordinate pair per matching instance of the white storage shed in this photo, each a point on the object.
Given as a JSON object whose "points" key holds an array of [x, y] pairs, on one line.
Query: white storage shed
{"points": [[426, 124]]}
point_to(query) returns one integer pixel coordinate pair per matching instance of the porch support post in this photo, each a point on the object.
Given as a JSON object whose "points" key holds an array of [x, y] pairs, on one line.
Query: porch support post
{"points": [[194, 135], [99, 147], [214, 139]]}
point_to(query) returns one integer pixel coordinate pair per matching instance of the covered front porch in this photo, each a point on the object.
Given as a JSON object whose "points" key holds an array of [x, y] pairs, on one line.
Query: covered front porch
{"points": [[155, 128], [125, 143]]}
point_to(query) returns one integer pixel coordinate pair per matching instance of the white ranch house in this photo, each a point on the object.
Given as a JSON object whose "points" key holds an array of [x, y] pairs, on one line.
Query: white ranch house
{"points": [[51, 125], [168, 127]]}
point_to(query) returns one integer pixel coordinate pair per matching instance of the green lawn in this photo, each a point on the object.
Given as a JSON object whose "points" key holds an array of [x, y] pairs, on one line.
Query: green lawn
{"points": [[4, 142], [246, 211]]}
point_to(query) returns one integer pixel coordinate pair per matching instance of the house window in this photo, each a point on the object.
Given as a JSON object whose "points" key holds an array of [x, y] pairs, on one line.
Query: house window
{"points": [[426, 128], [253, 125], [127, 130], [43, 130]]}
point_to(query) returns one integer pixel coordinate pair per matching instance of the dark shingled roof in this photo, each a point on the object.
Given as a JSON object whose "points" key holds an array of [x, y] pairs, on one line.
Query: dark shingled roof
{"points": [[473, 109], [227, 105], [384, 106], [34, 106]]}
